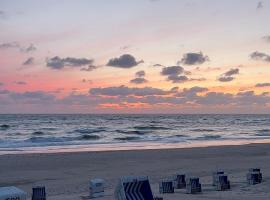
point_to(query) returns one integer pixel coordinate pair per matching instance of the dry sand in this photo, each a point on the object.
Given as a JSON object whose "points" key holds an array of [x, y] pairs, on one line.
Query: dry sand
{"points": [[66, 175]]}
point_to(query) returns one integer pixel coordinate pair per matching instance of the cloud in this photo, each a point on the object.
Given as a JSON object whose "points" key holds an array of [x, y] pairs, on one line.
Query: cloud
{"points": [[89, 68], [138, 80], [177, 78], [172, 70], [226, 78], [126, 91], [2, 15], [266, 38], [20, 82], [259, 5], [124, 61], [231, 72], [194, 58], [174, 74], [158, 65], [16, 45], [140, 74], [28, 49], [260, 56], [59, 63], [37, 96], [8, 45], [262, 85], [29, 61], [1, 84], [229, 75], [192, 92]]}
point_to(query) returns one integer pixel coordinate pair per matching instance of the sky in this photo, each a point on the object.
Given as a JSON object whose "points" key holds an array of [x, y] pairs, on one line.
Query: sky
{"points": [[143, 56]]}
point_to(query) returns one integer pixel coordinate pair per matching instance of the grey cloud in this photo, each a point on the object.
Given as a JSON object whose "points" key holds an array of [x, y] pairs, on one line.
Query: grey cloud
{"points": [[262, 85], [4, 92], [140, 74], [124, 61], [28, 49], [266, 38], [20, 83], [138, 80], [260, 56], [226, 78], [192, 92], [33, 97], [229, 75], [158, 65], [16, 45], [172, 70], [194, 58], [126, 91], [173, 74], [177, 78], [59, 63], [1, 84], [9, 45], [231, 72], [89, 68], [259, 5], [29, 61]]}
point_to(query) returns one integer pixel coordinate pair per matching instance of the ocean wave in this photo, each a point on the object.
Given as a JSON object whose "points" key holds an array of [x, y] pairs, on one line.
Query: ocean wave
{"points": [[89, 137], [209, 137], [202, 130], [89, 130], [4, 126], [135, 132], [151, 128], [128, 138], [263, 132], [44, 139], [38, 133]]}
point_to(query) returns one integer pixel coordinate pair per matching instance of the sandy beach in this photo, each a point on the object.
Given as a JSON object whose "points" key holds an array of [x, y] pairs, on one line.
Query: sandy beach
{"points": [[66, 175]]}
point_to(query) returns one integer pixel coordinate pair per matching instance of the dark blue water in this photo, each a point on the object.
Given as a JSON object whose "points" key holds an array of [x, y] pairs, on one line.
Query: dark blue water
{"points": [[59, 130]]}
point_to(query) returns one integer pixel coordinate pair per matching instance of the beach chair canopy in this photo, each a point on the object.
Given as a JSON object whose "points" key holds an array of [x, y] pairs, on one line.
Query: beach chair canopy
{"points": [[12, 193]]}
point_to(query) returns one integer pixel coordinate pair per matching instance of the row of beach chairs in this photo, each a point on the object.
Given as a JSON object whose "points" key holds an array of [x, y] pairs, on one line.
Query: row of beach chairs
{"points": [[138, 188]]}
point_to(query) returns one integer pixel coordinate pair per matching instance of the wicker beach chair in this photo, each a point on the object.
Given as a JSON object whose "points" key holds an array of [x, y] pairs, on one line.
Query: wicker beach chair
{"points": [[133, 188], [166, 186]]}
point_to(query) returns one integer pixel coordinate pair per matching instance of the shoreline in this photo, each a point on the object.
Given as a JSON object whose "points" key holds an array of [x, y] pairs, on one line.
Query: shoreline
{"points": [[132, 146]]}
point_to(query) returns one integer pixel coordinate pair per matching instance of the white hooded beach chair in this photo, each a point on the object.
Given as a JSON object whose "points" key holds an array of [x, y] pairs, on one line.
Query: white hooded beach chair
{"points": [[12, 193], [133, 188], [193, 185], [96, 188], [166, 186], [254, 176]]}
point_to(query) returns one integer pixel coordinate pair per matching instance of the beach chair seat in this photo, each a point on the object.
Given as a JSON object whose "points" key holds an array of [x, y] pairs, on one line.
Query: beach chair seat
{"points": [[180, 181], [193, 185], [133, 188], [166, 186], [39, 193]]}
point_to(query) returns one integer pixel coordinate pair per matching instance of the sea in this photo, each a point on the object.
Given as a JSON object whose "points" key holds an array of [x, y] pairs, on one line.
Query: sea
{"points": [[23, 133]]}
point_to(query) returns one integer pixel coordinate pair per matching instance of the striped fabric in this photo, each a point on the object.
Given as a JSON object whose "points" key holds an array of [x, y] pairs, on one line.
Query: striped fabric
{"points": [[138, 190], [166, 187], [39, 193]]}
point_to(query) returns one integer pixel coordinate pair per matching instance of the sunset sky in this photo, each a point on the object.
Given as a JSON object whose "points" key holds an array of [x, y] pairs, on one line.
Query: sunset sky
{"points": [[143, 56]]}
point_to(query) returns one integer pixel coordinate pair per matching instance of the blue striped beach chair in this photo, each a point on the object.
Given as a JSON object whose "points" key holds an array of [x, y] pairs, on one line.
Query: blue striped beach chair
{"points": [[166, 187], [133, 188], [215, 177], [254, 176], [180, 181], [38, 193], [223, 183], [193, 185]]}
